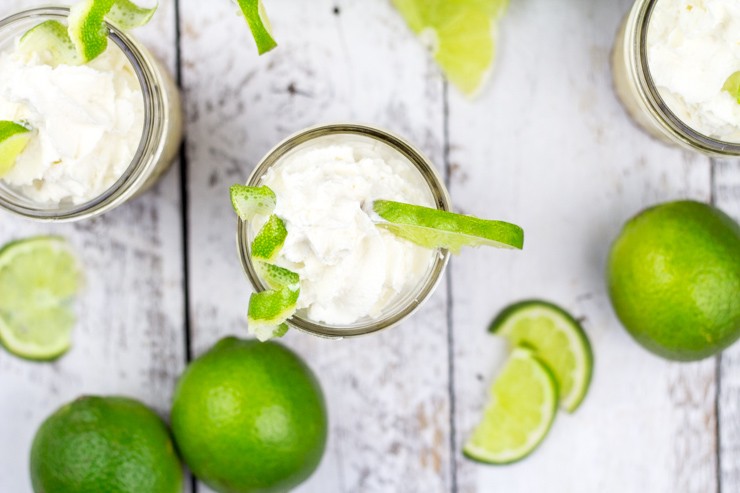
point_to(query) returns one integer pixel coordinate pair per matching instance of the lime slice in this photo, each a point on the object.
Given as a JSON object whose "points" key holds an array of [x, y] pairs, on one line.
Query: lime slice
{"points": [[259, 24], [433, 228], [51, 42], [87, 28], [732, 85], [250, 201], [14, 138], [127, 15], [269, 240], [461, 35], [269, 310], [39, 278], [557, 339], [277, 277], [521, 409]]}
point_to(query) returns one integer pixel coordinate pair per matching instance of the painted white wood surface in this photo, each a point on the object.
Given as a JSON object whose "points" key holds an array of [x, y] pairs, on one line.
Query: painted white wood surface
{"points": [[547, 145]]}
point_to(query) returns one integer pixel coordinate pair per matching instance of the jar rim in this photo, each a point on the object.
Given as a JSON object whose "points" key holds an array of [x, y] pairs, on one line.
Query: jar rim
{"points": [[436, 186]]}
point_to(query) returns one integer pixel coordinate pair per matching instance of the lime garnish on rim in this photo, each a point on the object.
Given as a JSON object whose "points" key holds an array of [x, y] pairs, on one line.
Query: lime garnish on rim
{"points": [[732, 85], [433, 228], [269, 240], [14, 138], [50, 41], [249, 201], [39, 278], [268, 311], [520, 411], [277, 277], [259, 24], [557, 339], [87, 29], [127, 15]]}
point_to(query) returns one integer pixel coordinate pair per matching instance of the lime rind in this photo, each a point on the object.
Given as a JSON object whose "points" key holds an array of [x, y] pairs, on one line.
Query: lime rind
{"points": [[270, 239], [277, 277], [258, 22], [14, 138], [267, 332], [87, 28], [557, 339], [49, 41], [520, 412], [732, 85], [249, 201], [269, 311], [432, 228], [127, 15]]}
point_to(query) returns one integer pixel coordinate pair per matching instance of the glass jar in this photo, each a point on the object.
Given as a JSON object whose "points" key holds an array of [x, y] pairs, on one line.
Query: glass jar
{"points": [[408, 302], [161, 133], [637, 90]]}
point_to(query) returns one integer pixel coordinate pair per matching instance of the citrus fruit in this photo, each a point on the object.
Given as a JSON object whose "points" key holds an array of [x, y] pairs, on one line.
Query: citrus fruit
{"points": [[277, 277], [732, 85], [259, 24], [557, 339], [433, 228], [249, 417], [249, 201], [268, 311], [14, 138], [127, 15], [39, 278], [520, 412], [104, 444], [270, 239], [674, 279], [87, 29], [461, 35]]}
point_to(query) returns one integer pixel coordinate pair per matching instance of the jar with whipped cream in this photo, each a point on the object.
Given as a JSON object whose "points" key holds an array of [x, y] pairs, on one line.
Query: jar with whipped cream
{"points": [[103, 132], [673, 62], [356, 278]]}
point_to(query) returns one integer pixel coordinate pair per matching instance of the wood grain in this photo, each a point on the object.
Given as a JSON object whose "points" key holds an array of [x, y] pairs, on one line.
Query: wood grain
{"points": [[130, 335]]}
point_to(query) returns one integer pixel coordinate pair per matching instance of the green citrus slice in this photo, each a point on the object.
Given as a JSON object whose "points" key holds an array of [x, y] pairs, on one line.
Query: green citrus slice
{"points": [[39, 278], [732, 85], [127, 15], [433, 228], [51, 41], [249, 201], [268, 311], [277, 277], [557, 339], [259, 24], [14, 138], [521, 408], [87, 29], [269, 240]]}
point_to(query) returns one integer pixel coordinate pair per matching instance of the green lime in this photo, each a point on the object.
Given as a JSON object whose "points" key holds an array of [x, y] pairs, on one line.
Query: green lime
{"points": [[249, 201], [557, 339], [259, 24], [250, 417], [87, 28], [39, 278], [732, 85], [14, 138], [433, 228], [674, 279], [51, 42], [104, 444], [521, 409], [461, 34], [277, 277], [127, 15], [270, 239], [268, 311]]}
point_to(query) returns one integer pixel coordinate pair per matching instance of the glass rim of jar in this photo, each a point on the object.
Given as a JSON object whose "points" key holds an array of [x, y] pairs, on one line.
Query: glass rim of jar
{"points": [[436, 186], [637, 61], [150, 145]]}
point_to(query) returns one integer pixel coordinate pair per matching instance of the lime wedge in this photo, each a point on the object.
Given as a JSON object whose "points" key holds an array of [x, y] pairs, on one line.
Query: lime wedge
{"points": [[732, 85], [87, 28], [269, 310], [557, 339], [127, 15], [39, 278], [277, 277], [521, 409], [259, 24], [433, 228], [269, 240], [14, 138], [250, 201], [51, 42], [461, 35]]}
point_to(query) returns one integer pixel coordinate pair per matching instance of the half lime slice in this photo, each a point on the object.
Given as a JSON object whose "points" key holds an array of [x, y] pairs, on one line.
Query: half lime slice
{"points": [[433, 228], [39, 278], [557, 339], [259, 24], [14, 138], [520, 412]]}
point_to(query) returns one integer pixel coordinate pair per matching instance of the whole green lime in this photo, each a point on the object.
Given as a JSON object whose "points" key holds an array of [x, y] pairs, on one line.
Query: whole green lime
{"points": [[249, 417], [110, 444], [674, 280]]}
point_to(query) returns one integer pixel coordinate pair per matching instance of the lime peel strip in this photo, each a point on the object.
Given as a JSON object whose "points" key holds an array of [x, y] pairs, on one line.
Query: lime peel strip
{"points": [[248, 201], [259, 24], [14, 138]]}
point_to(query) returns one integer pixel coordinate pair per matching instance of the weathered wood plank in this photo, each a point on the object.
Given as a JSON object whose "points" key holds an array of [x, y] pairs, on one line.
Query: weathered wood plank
{"points": [[727, 198], [130, 336], [548, 146], [348, 60]]}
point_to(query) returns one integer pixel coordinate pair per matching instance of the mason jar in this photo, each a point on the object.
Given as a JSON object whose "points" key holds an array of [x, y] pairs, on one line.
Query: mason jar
{"points": [[407, 302], [640, 96], [160, 137]]}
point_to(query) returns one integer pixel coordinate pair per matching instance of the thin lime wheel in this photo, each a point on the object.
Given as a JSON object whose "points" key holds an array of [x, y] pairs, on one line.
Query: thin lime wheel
{"points": [[256, 16], [433, 228], [521, 409], [14, 138], [557, 338], [39, 279]]}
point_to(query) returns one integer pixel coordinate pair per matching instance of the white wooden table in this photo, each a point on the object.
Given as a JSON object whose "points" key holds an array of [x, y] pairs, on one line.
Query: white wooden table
{"points": [[547, 146]]}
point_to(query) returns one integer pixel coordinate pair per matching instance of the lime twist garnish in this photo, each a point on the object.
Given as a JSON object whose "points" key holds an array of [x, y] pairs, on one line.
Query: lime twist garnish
{"points": [[557, 339], [732, 85], [259, 24], [277, 277], [268, 311], [249, 201], [461, 35], [269, 240], [432, 228], [14, 138], [39, 278], [520, 411]]}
